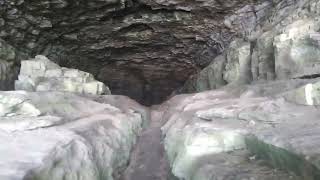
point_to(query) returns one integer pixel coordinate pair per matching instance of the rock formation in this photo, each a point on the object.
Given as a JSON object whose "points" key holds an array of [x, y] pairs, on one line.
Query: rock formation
{"points": [[251, 69], [238, 133], [149, 47], [9, 65], [285, 47], [40, 74], [54, 135]]}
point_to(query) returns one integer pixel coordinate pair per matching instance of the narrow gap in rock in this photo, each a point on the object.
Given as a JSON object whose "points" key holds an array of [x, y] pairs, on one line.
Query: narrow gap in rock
{"points": [[311, 76]]}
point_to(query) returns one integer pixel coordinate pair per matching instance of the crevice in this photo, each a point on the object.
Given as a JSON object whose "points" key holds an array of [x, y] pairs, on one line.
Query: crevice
{"points": [[311, 76]]}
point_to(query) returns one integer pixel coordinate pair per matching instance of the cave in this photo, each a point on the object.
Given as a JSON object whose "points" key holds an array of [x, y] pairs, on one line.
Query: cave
{"points": [[139, 48], [159, 89]]}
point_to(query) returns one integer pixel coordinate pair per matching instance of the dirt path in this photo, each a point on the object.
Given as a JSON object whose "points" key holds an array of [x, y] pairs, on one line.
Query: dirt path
{"points": [[148, 160]]}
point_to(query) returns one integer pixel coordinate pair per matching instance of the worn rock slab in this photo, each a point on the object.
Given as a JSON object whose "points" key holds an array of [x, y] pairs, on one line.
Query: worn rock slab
{"points": [[281, 134], [54, 135]]}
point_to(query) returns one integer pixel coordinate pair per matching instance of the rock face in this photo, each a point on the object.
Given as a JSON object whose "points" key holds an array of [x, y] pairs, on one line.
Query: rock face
{"points": [[54, 135], [9, 65], [234, 132], [297, 50], [284, 47], [149, 47], [260, 123], [40, 74], [211, 77]]}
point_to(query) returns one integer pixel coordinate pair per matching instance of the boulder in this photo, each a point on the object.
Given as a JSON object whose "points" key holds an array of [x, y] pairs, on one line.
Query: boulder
{"points": [[40, 74]]}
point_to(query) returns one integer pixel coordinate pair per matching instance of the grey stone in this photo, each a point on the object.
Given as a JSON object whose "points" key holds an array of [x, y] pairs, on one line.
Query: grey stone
{"points": [[295, 55], [88, 143], [237, 67], [40, 74], [257, 129], [210, 77]]}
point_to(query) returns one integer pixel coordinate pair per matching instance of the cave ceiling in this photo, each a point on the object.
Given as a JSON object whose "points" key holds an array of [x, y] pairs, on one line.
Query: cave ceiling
{"points": [[141, 48]]}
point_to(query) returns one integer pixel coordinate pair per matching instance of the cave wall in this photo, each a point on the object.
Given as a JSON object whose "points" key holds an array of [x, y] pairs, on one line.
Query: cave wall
{"points": [[144, 49], [285, 45]]}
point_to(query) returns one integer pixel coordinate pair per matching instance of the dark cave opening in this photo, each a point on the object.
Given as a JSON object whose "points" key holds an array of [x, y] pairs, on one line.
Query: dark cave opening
{"points": [[146, 86], [137, 48]]}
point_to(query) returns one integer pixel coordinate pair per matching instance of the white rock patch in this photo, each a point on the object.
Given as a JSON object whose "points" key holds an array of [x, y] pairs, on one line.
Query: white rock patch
{"points": [[40, 74]]}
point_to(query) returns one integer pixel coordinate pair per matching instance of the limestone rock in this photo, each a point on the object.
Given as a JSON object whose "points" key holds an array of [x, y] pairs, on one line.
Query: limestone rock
{"points": [[156, 44], [8, 65], [40, 74], [306, 95], [233, 67], [13, 105], [7, 52], [263, 58], [67, 139], [238, 60], [296, 55], [210, 77], [255, 122]]}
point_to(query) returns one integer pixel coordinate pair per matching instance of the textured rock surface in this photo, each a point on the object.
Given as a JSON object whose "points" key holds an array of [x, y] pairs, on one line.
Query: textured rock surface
{"points": [[54, 135], [211, 77], [40, 74], [9, 65], [208, 135], [253, 128], [149, 46], [306, 95], [284, 45], [297, 54]]}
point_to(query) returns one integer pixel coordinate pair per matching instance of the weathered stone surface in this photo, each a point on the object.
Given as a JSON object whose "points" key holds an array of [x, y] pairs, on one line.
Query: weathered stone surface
{"points": [[238, 61], [60, 137], [210, 77], [8, 65], [204, 131], [233, 67], [296, 55], [40, 74], [155, 45], [284, 44], [263, 58], [305, 95]]}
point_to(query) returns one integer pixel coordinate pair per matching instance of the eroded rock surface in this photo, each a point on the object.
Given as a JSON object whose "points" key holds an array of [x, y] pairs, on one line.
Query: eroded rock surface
{"points": [[284, 47], [9, 65], [149, 47], [55, 135], [243, 132], [40, 74]]}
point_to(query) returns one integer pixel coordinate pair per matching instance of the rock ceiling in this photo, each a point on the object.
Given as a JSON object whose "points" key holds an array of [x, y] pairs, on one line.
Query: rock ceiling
{"points": [[144, 49]]}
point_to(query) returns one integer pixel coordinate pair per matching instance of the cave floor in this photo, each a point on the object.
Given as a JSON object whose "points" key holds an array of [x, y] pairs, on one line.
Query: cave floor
{"points": [[148, 160]]}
